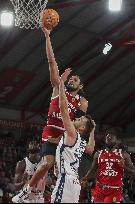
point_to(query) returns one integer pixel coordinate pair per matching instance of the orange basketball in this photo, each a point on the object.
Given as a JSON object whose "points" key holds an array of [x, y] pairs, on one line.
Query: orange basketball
{"points": [[50, 18]]}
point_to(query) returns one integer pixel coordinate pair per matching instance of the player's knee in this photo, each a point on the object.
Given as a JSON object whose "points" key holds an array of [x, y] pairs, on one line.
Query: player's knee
{"points": [[43, 168], [46, 167], [49, 161]]}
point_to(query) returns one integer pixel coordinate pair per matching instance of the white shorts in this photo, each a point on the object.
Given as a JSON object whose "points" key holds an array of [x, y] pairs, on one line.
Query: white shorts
{"points": [[67, 190]]}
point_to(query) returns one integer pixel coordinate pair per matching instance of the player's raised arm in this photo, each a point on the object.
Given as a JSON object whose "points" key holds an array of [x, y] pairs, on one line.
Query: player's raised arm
{"points": [[53, 68], [63, 103]]}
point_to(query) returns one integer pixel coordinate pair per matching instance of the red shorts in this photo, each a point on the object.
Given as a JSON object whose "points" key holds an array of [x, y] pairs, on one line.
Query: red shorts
{"points": [[106, 195], [51, 131]]}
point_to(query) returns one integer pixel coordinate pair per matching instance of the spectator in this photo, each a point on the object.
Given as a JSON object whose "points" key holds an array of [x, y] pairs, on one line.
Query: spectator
{"points": [[1, 195]]}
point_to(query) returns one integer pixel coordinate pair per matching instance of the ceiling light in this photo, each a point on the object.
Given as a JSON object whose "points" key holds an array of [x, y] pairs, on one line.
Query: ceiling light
{"points": [[107, 48], [6, 18], [115, 5]]}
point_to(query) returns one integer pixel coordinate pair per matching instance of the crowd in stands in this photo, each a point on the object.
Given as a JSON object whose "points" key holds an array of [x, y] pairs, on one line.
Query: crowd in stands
{"points": [[13, 150], [10, 153]]}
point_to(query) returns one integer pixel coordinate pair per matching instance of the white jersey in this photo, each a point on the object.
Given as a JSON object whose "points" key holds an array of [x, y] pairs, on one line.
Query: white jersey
{"points": [[31, 168], [68, 158], [37, 195]]}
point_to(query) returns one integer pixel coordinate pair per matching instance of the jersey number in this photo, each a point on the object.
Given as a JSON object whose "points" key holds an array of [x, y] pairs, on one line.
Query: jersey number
{"points": [[109, 165]]}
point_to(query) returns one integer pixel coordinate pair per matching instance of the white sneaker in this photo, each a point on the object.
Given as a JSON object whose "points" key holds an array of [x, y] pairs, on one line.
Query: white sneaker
{"points": [[19, 198]]}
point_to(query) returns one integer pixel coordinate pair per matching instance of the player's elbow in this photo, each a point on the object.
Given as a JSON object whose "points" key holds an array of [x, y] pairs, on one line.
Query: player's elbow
{"points": [[51, 61], [84, 105], [85, 108], [63, 107], [54, 79], [54, 84]]}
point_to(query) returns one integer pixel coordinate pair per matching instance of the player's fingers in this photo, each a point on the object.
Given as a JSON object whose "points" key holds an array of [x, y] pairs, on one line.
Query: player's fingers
{"points": [[68, 70]]}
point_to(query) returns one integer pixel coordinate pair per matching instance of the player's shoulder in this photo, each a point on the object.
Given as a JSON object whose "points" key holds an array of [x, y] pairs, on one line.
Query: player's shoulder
{"points": [[21, 162], [125, 154], [83, 99]]}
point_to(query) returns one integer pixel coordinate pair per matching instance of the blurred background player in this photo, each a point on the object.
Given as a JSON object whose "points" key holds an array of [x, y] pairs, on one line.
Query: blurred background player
{"points": [[110, 165], [24, 171], [69, 152]]}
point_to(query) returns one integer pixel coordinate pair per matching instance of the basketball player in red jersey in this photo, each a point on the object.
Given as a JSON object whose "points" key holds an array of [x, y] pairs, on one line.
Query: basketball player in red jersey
{"points": [[54, 128], [110, 165]]}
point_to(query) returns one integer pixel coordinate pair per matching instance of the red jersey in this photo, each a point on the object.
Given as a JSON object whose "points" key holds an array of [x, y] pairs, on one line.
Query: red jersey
{"points": [[54, 125], [110, 172]]}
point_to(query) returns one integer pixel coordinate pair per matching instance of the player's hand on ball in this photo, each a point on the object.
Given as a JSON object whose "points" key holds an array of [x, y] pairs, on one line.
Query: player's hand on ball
{"points": [[45, 31], [66, 73]]}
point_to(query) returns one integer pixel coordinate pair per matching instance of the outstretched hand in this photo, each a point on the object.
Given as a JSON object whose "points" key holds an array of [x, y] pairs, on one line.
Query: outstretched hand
{"points": [[45, 31], [66, 73]]}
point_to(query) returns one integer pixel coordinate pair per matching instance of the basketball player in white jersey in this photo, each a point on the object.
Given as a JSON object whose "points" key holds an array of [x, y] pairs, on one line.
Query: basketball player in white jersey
{"points": [[69, 152], [24, 171]]}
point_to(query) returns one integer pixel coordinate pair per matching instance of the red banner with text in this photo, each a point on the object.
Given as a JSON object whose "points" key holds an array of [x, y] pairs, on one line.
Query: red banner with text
{"points": [[15, 124]]}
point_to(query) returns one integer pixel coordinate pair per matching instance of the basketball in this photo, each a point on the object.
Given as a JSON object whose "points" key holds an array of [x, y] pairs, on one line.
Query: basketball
{"points": [[50, 18]]}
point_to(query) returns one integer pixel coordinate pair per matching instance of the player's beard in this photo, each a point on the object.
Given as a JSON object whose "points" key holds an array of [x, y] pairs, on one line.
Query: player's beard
{"points": [[111, 145], [71, 88]]}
